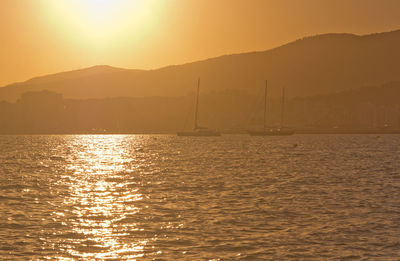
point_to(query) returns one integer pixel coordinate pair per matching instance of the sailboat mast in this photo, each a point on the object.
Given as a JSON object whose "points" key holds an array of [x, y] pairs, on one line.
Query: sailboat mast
{"points": [[265, 104], [283, 106], [197, 104]]}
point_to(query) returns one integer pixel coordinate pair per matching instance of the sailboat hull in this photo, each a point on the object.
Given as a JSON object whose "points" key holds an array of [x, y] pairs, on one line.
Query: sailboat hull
{"points": [[199, 131], [275, 131]]}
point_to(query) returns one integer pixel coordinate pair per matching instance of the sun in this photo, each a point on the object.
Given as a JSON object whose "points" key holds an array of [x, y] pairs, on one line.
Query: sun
{"points": [[102, 22], [106, 13]]}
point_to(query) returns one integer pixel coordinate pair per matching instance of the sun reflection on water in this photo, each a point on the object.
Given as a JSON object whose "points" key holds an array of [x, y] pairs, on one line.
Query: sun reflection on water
{"points": [[98, 199]]}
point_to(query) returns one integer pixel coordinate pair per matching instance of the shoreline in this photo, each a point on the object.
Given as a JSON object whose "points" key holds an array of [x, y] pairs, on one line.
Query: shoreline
{"points": [[299, 131]]}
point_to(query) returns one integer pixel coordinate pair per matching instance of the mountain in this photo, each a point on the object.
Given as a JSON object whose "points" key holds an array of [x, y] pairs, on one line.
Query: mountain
{"points": [[75, 74], [310, 66]]}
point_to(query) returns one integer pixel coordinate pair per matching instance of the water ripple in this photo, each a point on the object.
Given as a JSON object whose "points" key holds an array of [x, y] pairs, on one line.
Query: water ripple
{"points": [[134, 197]]}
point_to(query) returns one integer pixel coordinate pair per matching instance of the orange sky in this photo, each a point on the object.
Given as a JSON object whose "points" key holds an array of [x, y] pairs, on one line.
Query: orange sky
{"points": [[39, 37]]}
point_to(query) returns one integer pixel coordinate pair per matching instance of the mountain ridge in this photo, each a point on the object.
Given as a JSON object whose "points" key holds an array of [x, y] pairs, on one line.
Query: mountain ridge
{"points": [[306, 66]]}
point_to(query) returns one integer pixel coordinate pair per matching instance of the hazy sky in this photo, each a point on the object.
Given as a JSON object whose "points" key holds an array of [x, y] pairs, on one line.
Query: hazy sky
{"points": [[45, 36]]}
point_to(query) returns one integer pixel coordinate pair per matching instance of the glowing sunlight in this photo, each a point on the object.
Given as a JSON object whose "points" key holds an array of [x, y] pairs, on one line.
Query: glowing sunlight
{"points": [[103, 200], [103, 22]]}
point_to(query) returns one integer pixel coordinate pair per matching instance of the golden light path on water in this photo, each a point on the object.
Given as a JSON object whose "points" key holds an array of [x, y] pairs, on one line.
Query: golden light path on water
{"points": [[99, 198], [163, 197]]}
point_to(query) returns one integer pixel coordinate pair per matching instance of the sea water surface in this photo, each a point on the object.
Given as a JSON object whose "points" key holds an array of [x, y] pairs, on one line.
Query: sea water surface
{"points": [[235, 197]]}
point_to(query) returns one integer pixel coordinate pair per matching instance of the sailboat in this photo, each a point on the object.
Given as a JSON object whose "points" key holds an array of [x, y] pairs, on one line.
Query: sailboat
{"points": [[198, 130], [268, 131]]}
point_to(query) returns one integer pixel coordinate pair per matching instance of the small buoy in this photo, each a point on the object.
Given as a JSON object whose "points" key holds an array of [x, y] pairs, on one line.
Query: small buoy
{"points": [[378, 137], [295, 145]]}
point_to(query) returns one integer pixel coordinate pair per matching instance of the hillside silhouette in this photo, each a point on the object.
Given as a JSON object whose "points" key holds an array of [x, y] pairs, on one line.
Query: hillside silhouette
{"points": [[45, 112], [314, 65]]}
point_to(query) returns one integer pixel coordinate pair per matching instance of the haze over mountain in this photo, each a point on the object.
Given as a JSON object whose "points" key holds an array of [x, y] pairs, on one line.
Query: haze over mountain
{"points": [[366, 109], [313, 65]]}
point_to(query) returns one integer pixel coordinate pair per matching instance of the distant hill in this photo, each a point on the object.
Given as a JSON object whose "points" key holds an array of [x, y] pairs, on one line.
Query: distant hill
{"points": [[310, 66], [367, 108]]}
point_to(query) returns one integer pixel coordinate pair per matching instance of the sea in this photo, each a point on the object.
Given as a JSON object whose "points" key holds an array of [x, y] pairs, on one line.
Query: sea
{"points": [[234, 197]]}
